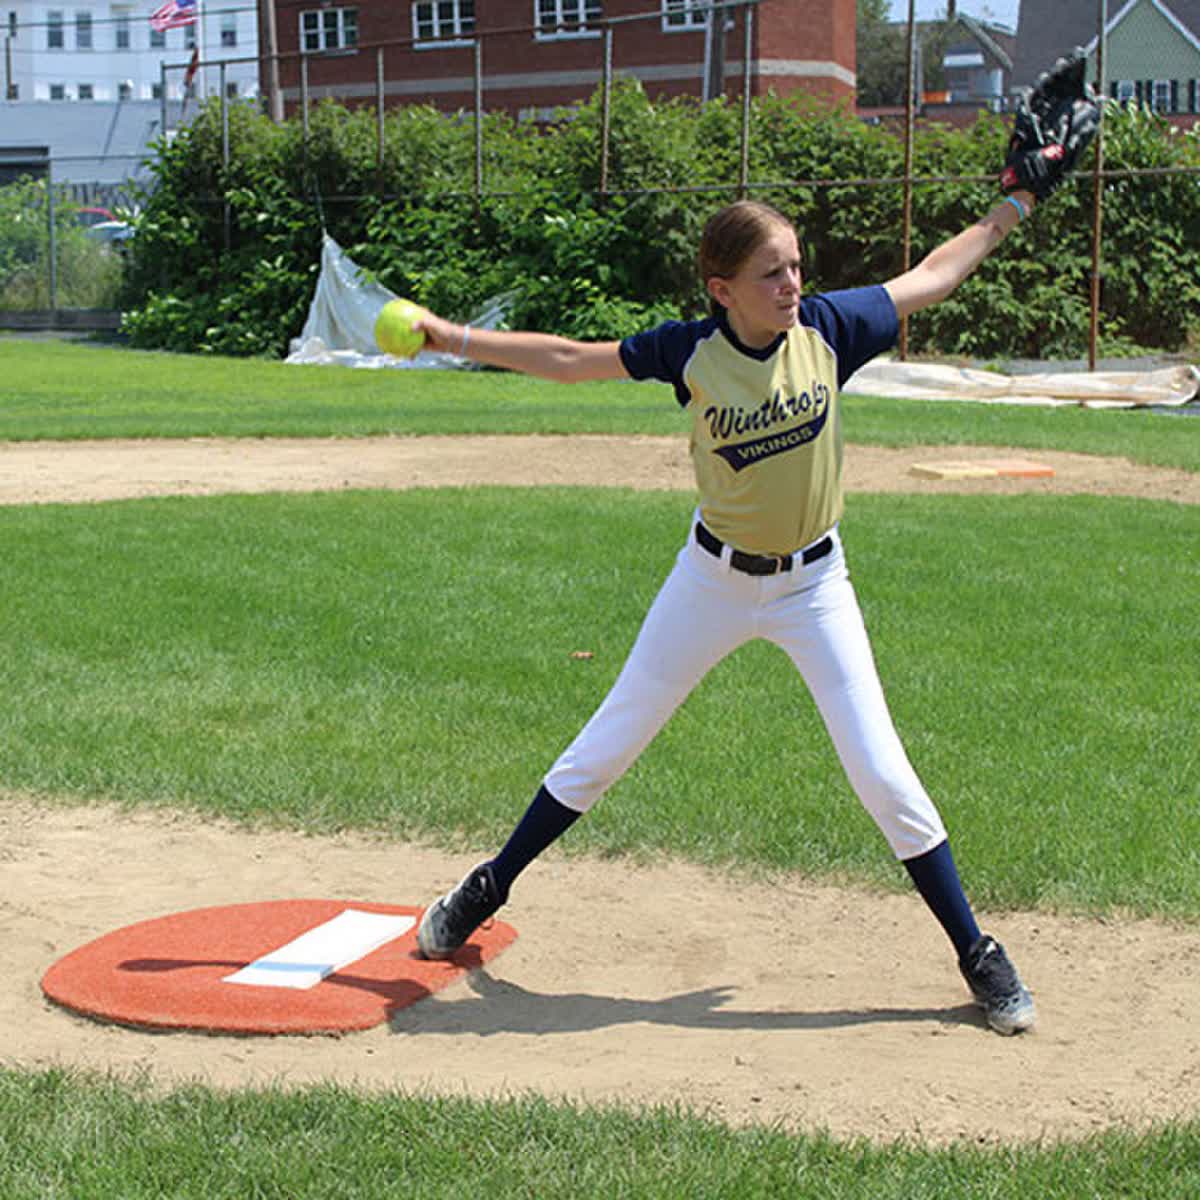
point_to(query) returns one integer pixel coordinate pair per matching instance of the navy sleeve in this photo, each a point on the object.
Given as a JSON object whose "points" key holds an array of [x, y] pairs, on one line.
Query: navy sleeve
{"points": [[857, 324], [662, 353]]}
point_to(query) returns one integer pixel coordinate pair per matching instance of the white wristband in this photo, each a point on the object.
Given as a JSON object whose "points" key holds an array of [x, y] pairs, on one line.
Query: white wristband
{"points": [[462, 351]]}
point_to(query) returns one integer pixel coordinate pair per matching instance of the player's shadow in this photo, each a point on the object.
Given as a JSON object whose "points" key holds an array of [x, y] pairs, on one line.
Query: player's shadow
{"points": [[501, 1007]]}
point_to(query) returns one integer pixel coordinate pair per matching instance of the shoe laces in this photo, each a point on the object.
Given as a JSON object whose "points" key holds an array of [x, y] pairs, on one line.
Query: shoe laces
{"points": [[470, 903], [991, 968]]}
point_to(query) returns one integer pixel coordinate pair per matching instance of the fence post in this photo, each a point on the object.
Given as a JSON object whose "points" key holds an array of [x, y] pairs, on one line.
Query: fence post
{"points": [[52, 245], [478, 123], [605, 110], [909, 108], [304, 96], [379, 110], [1097, 191], [225, 213], [747, 42], [162, 98]]}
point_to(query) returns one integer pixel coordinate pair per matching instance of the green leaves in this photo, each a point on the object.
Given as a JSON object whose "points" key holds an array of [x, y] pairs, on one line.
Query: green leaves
{"points": [[226, 254]]}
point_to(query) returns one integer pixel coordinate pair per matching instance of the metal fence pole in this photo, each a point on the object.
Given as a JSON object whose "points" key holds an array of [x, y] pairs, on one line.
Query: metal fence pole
{"points": [[304, 95], [52, 247], [379, 109], [226, 216], [478, 124], [909, 108], [162, 96], [606, 109], [1097, 190], [747, 43]]}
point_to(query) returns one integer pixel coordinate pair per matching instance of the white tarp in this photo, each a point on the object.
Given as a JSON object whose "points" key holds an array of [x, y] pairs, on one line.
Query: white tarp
{"points": [[1094, 389], [340, 329]]}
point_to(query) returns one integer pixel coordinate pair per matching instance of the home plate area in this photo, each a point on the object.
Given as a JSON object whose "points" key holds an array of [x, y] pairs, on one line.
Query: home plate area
{"points": [[275, 967]]}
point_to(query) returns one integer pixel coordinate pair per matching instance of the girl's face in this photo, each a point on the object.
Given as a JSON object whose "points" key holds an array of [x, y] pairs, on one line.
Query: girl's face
{"points": [[763, 298]]}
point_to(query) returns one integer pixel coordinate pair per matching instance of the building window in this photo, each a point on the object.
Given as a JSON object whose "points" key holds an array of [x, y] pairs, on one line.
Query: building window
{"points": [[328, 29], [565, 18], [158, 39], [83, 31], [84, 91], [1160, 95], [123, 29], [1194, 96], [189, 36], [58, 91], [231, 91], [125, 90], [156, 91], [55, 39], [442, 22], [12, 24], [1124, 90], [684, 14], [229, 29]]}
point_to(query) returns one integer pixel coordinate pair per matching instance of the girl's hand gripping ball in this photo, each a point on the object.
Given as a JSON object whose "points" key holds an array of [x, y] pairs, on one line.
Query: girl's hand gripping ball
{"points": [[394, 332]]}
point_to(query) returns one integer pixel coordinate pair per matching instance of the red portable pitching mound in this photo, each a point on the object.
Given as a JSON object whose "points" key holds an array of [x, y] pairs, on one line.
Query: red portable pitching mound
{"points": [[282, 966]]}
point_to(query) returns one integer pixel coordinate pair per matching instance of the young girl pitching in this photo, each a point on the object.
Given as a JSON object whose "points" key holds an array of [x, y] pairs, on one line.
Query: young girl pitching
{"points": [[759, 380]]}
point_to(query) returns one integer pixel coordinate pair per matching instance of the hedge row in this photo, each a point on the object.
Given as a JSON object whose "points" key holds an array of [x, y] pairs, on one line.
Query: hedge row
{"points": [[226, 258]]}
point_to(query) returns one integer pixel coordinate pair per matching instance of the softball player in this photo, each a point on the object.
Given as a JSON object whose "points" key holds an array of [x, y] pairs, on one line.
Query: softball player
{"points": [[760, 380]]}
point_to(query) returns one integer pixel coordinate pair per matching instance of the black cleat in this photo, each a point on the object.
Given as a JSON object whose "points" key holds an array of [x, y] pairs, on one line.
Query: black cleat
{"points": [[448, 922], [997, 987]]}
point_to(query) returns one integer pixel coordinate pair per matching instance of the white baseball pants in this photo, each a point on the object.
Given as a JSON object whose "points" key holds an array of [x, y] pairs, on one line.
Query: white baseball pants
{"points": [[705, 610]]}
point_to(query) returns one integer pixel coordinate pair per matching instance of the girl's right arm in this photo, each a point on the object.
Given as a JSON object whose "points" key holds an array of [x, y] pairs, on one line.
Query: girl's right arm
{"points": [[543, 354]]}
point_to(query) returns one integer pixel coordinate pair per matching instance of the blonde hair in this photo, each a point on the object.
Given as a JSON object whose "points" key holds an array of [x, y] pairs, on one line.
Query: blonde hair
{"points": [[732, 235]]}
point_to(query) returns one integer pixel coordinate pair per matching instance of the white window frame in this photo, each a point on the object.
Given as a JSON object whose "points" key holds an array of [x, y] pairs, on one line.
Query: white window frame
{"points": [[458, 30], [122, 16], [1160, 89], [158, 39], [125, 90], [61, 88], [229, 30], [684, 16], [189, 36], [345, 30], [1126, 91], [56, 29], [85, 91], [570, 19], [84, 29]]}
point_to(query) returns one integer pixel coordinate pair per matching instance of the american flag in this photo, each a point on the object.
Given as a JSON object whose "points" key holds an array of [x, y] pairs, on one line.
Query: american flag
{"points": [[173, 14]]}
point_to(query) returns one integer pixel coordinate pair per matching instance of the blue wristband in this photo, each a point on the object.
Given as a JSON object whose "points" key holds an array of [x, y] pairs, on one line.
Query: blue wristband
{"points": [[1022, 213]]}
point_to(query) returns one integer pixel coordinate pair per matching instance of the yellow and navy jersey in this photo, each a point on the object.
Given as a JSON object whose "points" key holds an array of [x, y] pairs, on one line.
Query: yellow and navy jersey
{"points": [[766, 437]]}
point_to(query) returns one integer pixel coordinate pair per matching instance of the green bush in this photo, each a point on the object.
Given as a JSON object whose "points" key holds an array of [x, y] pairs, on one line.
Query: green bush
{"points": [[226, 258]]}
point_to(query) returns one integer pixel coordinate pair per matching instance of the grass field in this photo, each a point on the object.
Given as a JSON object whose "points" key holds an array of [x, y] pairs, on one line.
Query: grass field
{"points": [[277, 659]]}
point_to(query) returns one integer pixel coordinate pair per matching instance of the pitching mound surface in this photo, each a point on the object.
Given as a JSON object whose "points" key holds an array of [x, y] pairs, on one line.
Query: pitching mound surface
{"points": [[284, 966]]}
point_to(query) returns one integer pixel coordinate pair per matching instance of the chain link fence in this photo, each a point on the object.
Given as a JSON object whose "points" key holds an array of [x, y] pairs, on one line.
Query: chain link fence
{"points": [[63, 267]]}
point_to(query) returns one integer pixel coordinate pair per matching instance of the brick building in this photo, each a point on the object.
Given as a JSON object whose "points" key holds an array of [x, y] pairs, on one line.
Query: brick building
{"points": [[537, 55]]}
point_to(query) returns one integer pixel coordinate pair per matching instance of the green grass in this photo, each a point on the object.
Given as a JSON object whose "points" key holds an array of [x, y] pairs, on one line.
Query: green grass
{"points": [[403, 661], [72, 390], [66, 1136]]}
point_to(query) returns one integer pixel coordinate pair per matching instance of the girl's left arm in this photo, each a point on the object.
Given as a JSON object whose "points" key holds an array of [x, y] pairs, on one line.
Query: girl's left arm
{"points": [[943, 269]]}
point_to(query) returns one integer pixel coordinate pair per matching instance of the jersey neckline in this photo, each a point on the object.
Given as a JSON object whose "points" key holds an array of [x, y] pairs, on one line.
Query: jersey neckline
{"points": [[722, 318]]}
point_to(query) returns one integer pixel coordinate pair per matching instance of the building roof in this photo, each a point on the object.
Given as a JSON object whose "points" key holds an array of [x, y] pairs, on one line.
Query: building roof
{"points": [[1047, 30], [89, 142]]}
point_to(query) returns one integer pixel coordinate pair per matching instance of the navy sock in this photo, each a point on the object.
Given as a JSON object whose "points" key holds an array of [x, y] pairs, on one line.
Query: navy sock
{"points": [[545, 820], [936, 878]]}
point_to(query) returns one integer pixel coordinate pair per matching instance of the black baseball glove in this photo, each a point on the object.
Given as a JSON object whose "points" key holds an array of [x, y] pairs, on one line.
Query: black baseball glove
{"points": [[1056, 121]]}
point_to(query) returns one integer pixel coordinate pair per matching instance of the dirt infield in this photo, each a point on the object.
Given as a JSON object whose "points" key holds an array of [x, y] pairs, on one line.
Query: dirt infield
{"points": [[779, 1001]]}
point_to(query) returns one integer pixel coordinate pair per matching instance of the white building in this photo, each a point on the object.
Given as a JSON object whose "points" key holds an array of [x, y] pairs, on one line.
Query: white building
{"points": [[106, 51]]}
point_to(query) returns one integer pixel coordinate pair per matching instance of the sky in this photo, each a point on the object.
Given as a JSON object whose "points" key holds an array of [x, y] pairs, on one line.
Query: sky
{"points": [[1002, 12]]}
